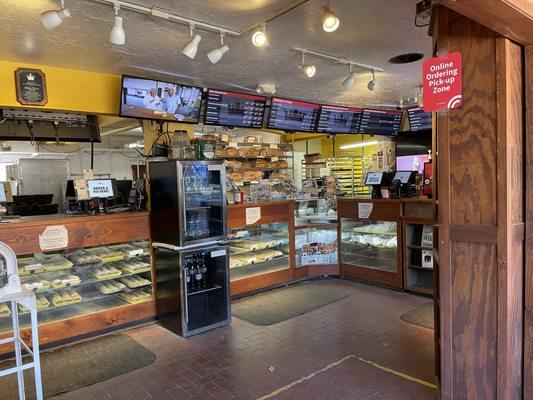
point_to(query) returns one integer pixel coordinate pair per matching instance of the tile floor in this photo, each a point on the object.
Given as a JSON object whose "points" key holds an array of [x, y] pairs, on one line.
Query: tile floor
{"points": [[318, 355]]}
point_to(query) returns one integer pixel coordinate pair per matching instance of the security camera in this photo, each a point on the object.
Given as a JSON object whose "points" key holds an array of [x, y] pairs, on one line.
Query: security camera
{"points": [[266, 88]]}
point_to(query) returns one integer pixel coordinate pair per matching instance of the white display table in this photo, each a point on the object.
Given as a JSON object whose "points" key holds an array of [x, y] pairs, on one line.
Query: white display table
{"points": [[26, 299]]}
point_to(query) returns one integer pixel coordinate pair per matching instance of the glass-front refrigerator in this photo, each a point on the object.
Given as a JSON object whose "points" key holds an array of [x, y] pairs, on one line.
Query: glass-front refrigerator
{"points": [[188, 202]]}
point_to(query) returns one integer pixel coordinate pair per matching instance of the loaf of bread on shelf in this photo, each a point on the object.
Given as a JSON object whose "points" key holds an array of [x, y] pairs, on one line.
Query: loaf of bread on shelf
{"points": [[105, 272], [110, 287], [134, 281], [135, 296], [232, 152], [224, 137], [67, 280], [261, 164], [234, 165], [278, 176], [282, 164], [235, 176], [208, 137], [65, 297], [252, 139], [248, 152], [220, 152], [4, 310], [252, 175]]}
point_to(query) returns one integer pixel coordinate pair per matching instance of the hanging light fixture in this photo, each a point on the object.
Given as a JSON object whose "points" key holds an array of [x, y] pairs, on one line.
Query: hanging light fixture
{"points": [[330, 21], [53, 18], [216, 54], [373, 84], [350, 79], [191, 48], [117, 35], [260, 38], [308, 69]]}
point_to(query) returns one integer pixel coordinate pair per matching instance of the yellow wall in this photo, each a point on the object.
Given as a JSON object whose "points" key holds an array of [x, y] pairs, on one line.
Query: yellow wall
{"points": [[340, 140], [68, 89]]}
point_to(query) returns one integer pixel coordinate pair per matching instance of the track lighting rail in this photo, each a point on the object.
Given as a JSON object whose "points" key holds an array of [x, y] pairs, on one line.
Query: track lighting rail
{"points": [[338, 60]]}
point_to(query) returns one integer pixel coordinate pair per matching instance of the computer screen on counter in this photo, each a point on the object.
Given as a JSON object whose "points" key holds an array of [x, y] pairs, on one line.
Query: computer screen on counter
{"points": [[403, 176], [234, 109], [373, 178], [380, 122], [419, 120], [293, 115], [101, 188], [159, 100], [339, 119]]}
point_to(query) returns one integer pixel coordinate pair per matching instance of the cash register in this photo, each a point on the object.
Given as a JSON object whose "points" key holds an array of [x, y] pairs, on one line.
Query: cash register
{"points": [[378, 181], [403, 184]]}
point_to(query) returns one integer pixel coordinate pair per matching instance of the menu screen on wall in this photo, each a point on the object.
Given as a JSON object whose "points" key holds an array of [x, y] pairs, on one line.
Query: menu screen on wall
{"points": [[336, 119], [380, 122], [234, 109], [292, 115], [419, 120]]}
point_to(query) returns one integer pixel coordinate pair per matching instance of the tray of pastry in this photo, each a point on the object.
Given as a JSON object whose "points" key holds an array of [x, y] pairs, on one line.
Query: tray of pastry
{"points": [[35, 283], [134, 296], [107, 254], [5, 311], [53, 262], [133, 266], [110, 287], [65, 297], [129, 250], [42, 303], [81, 257], [29, 265], [134, 281], [104, 271]]}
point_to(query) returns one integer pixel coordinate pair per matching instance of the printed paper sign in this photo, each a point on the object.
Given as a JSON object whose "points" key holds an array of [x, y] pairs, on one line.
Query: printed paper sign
{"points": [[54, 238], [253, 214], [100, 188], [442, 83], [364, 210]]}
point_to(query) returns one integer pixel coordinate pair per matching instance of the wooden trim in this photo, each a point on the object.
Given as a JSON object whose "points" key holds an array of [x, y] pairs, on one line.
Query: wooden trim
{"points": [[510, 18], [279, 211], [331, 226], [474, 233]]}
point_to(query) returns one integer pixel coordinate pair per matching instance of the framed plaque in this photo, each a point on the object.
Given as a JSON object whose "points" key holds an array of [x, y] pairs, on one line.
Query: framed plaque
{"points": [[31, 87]]}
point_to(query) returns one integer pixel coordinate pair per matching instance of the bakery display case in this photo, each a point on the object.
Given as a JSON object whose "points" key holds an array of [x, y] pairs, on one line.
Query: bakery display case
{"points": [[89, 273], [370, 241], [261, 244]]}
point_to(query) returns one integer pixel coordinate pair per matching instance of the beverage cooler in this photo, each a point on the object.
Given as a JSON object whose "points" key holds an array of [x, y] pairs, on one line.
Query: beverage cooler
{"points": [[192, 288], [188, 202], [188, 222]]}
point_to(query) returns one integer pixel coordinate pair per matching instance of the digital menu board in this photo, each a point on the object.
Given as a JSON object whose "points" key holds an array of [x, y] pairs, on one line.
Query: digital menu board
{"points": [[234, 109], [380, 122], [292, 115], [419, 120], [337, 119]]}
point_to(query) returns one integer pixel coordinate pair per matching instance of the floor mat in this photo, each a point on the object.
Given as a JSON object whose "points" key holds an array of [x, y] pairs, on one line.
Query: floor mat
{"points": [[421, 316], [82, 364], [282, 304]]}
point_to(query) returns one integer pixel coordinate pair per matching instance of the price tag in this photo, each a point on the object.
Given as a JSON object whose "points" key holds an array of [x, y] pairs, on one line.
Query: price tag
{"points": [[274, 159], [53, 238], [253, 214], [135, 253], [233, 144], [364, 210], [273, 145]]}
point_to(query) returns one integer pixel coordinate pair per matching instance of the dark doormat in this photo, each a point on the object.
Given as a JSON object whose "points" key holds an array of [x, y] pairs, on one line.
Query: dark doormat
{"points": [[282, 304], [421, 316], [78, 365]]}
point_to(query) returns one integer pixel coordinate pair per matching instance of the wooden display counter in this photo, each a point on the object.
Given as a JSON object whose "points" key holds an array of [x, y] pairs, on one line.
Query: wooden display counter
{"points": [[380, 242], [262, 219], [24, 235]]}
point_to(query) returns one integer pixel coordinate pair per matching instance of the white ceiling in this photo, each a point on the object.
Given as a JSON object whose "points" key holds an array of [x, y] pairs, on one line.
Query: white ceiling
{"points": [[371, 32]]}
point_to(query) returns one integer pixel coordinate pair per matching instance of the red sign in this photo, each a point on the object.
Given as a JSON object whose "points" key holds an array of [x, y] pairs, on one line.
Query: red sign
{"points": [[442, 84]]}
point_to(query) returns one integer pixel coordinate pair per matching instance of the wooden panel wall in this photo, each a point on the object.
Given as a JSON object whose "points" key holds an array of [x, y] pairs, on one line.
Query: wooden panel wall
{"points": [[528, 332], [480, 216]]}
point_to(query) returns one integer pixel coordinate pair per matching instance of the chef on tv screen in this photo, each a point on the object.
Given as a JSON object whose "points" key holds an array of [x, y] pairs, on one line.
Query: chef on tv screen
{"points": [[150, 99]]}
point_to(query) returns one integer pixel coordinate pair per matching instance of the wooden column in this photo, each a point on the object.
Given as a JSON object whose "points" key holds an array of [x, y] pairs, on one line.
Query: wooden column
{"points": [[480, 214], [528, 331]]}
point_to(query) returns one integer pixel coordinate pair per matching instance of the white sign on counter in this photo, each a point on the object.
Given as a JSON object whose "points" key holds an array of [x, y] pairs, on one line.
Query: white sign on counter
{"points": [[364, 210], [253, 214], [54, 237]]}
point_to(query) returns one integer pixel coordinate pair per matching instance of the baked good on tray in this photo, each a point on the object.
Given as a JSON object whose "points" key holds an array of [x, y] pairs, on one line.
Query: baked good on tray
{"points": [[35, 283], [65, 297], [29, 265], [107, 254], [134, 281], [235, 262], [134, 266], [252, 175], [4, 310], [105, 271], [82, 257], [234, 165], [235, 176], [135, 296], [53, 262], [232, 152], [41, 301], [248, 152], [67, 280], [110, 287]]}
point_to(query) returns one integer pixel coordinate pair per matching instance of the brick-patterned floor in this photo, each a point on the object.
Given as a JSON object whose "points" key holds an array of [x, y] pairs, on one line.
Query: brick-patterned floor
{"points": [[244, 361]]}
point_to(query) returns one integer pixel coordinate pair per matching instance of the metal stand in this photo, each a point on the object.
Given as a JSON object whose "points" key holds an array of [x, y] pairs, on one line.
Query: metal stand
{"points": [[26, 299]]}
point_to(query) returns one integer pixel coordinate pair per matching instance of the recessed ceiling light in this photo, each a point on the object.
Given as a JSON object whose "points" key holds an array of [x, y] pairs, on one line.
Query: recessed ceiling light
{"points": [[406, 58]]}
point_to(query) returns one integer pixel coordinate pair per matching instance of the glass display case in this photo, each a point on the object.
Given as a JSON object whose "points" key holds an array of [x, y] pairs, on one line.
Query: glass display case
{"points": [[315, 211], [316, 246], [370, 244], [79, 282], [258, 249]]}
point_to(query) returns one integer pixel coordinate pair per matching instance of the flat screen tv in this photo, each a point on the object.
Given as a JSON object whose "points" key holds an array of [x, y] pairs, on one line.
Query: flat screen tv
{"points": [[338, 119], [419, 120], [412, 163], [380, 122], [292, 115], [234, 109], [143, 98]]}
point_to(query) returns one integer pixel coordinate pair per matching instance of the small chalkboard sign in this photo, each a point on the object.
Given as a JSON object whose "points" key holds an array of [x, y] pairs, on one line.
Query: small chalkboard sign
{"points": [[31, 87]]}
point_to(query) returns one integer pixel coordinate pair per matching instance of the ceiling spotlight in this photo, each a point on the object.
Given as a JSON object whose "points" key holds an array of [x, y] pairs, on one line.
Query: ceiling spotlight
{"points": [[259, 38], [308, 69], [373, 84], [117, 35], [350, 79], [330, 21], [216, 54], [191, 48], [53, 18]]}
